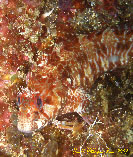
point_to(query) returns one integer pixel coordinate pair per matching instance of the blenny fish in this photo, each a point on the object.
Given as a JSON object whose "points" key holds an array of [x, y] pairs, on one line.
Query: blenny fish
{"points": [[61, 80]]}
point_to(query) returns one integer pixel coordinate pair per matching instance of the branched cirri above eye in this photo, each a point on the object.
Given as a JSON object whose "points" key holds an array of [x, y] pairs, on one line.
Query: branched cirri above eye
{"points": [[39, 102]]}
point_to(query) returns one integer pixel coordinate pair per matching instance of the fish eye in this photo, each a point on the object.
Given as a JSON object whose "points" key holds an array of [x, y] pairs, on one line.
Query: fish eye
{"points": [[39, 102], [18, 101]]}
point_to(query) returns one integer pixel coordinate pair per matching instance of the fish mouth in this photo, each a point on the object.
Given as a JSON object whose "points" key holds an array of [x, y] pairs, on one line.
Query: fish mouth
{"points": [[28, 126], [25, 127]]}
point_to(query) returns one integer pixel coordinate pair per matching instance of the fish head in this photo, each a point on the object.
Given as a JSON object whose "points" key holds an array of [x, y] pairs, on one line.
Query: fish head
{"points": [[31, 116], [36, 109]]}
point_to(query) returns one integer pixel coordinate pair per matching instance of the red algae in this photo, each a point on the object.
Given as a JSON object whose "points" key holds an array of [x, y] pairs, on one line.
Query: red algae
{"points": [[4, 116], [32, 3], [3, 28]]}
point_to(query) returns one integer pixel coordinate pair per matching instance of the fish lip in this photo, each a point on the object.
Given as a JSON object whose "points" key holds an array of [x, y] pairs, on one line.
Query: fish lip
{"points": [[25, 131], [24, 127]]}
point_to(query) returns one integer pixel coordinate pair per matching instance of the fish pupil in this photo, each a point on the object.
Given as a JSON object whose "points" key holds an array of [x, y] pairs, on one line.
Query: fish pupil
{"points": [[18, 102], [39, 102]]}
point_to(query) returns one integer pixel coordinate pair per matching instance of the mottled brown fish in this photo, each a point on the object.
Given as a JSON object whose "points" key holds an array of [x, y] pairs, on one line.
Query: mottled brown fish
{"points": [[64, 74]]}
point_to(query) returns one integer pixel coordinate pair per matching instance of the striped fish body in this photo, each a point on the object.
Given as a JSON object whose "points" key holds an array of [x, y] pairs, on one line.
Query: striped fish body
{"points": [[65, 73]]}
